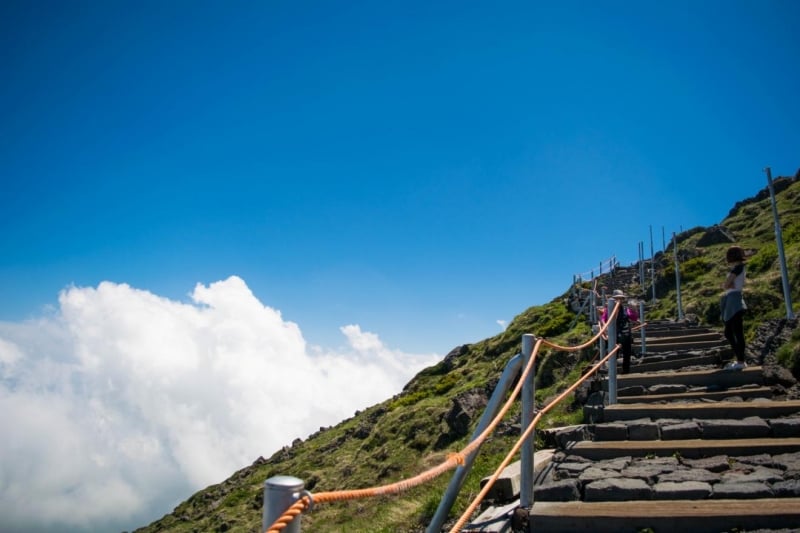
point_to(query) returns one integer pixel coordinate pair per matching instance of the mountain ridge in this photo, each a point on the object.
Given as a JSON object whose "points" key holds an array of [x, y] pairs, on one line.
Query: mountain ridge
{"points": [[438, 407]]}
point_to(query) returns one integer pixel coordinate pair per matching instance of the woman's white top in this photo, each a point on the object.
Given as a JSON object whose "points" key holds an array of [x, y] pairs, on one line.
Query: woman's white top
{"points": [[738, 281]]}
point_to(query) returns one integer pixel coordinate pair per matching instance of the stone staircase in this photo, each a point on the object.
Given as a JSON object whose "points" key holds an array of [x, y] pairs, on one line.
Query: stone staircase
{"points": [[688, 446]]}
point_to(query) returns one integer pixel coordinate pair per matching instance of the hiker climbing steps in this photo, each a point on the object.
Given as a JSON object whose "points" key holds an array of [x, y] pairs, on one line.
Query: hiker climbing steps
{"points": [[689, 445]]}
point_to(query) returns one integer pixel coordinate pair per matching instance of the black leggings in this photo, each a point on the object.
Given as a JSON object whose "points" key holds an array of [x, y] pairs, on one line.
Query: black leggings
{"points": [[627, 348], [734, 332]]}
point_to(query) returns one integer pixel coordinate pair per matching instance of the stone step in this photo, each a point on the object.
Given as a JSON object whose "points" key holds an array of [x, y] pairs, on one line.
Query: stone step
{"points": [[656, 329], [674, 430], [654, 363], [715, 395], [686, 337], [694, 516], [702, 378], [703, 410], [665, 414], [688, 448], [680, 345]]}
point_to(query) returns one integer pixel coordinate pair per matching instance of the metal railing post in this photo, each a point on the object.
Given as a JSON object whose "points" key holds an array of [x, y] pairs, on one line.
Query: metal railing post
{"points": [[528, 408], [677, 275], [653, 265], [787, 294], [642, 281], [492, 408], [642, 329], [280, 493], [612, 342]]}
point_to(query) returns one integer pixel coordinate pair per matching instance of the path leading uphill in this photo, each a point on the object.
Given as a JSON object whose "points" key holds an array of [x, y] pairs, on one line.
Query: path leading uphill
{"points": [[688, 446]]}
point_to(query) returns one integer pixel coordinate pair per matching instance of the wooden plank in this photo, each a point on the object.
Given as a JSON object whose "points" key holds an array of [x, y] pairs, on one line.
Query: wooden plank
{"points": [[689, 448], [724, 378], [666, 515], [721, 410], [756, 392]]}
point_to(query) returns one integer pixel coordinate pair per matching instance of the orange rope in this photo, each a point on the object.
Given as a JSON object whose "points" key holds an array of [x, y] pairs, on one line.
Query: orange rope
{"points": [[289, 514], [471, 509], [453, 460]]}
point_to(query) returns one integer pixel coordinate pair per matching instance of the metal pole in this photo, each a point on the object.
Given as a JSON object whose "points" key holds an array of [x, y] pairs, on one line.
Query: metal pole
{"points": [[652, 265], [787, 294], [601, 344], [677, 275], [528, 408], [507, 379], [612, 342], [641, 321], [280, 493], [641, 264]]}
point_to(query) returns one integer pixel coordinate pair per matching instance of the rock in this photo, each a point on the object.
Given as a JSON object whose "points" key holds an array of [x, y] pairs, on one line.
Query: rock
{"points": [[718, 463], [760, 474], [685, 490], [787, 489], [593, 474], [684, 430], [610, 431], [570, 470], [715, 235], [565, 436], [675, 388], [617, 490], [748, 428], [643, 431], [741, 491], [693, 474], [647, 473], [564, 490], [464, 409]]}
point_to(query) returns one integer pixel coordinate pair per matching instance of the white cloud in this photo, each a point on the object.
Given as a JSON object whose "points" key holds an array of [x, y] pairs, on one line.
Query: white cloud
{"points": [[502, 324], [132, 402]]}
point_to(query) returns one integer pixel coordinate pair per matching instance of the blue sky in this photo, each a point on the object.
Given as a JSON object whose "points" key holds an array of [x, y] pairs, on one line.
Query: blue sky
{"points": [[360, 185], [422, 170]]}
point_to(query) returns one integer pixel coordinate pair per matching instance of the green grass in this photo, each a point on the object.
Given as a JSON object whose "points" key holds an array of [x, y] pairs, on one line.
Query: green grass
{"points": [[407, 434]]}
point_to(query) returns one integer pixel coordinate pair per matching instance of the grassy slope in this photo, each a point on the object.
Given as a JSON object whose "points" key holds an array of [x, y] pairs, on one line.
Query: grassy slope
{"points": [[405, 435]]}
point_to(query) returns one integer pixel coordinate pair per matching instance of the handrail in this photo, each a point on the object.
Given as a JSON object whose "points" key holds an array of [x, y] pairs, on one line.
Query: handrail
{"points": [[448, 499], [488, 485], [455, 459]]}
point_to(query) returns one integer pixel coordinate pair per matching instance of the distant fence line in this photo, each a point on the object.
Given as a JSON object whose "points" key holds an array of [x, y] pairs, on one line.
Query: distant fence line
{"points": [[605, 266]]}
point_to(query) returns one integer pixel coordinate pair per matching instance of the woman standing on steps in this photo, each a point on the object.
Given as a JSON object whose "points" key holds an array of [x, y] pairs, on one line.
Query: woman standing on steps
{"points": [[626, 318], [733, 307]]}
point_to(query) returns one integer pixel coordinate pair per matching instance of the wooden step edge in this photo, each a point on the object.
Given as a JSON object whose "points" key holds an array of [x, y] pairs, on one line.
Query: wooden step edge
{"points": [[644, 366], [720, 410], [707, 336], [697, 516], [692, 373], [689, 448], [673, 410], [759, 392]]}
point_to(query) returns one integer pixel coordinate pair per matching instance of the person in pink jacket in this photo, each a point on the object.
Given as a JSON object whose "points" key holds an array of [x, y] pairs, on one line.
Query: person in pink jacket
{"points": [[627, 317]]}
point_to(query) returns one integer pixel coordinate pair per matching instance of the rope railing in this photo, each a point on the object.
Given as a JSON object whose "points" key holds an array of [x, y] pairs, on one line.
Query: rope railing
{"points": [[455, 459], [525, 435]]}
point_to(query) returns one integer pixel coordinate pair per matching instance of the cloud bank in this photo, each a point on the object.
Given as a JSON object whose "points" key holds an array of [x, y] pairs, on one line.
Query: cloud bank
{"points": [[122, 403]]}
